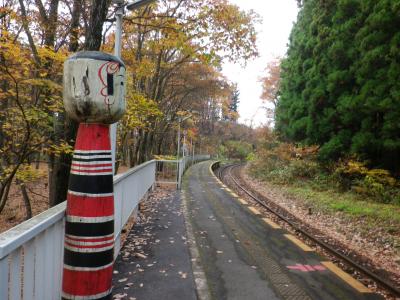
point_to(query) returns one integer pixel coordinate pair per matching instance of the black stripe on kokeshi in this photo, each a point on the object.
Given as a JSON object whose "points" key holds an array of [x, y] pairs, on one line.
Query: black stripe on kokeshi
{"points": [[98, 184], [89, 229], [99, 160], [88, 260], [108, 297]]}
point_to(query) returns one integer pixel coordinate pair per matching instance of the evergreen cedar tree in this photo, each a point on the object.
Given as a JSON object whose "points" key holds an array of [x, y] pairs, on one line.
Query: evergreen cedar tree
{"points": [[340, 84]]}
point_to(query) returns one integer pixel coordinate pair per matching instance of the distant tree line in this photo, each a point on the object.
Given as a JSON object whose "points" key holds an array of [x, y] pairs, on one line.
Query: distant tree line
{"points": [[340, 86]]}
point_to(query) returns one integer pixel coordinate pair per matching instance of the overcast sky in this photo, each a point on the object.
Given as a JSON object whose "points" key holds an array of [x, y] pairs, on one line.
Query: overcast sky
{"points": [[278, 17]]}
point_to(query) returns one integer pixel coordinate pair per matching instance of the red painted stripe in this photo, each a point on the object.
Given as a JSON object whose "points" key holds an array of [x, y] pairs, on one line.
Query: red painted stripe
{"points": [[93, 137], [83, 206], [298, 267], [91, 240], [91, 171], [91, 166], [319, 268], [89, 246], [309, 268], [86, 283]]}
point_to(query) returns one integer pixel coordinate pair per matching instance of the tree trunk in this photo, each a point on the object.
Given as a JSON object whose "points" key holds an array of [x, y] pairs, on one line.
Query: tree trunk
{"points": [[98, 14], [61, 165], [4, 192], [58, 187], [74, 36], [27, 201], [138, 146]]}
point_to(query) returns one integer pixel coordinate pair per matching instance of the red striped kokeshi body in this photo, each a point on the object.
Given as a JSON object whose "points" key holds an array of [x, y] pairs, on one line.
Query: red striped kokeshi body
{"points": [[89, 228]]}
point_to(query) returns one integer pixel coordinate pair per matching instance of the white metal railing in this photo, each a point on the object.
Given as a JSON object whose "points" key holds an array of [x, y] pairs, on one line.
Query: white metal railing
{"points": [[31, 254], [186, 162], [171, 171], [167, 172], [129, 189]]}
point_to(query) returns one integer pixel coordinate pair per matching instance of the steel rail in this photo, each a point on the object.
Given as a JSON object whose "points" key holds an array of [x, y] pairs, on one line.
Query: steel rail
{"points": [[383, 283]]}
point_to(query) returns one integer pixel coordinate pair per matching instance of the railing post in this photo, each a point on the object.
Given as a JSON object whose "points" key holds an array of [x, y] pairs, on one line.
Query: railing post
{"points": [[180, 168], [94, 91]]}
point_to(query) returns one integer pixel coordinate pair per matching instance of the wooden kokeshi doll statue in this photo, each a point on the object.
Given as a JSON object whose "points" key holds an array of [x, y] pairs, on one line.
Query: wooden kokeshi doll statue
{"points": [[94, 95]]}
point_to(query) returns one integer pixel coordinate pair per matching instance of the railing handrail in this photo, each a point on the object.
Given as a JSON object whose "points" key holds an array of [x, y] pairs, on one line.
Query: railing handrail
{"points": [[120, 177], [168, 160], [31, 253], [18, 235]]}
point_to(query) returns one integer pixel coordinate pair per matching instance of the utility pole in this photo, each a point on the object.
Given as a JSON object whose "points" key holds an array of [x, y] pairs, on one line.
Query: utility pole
{"points": [[193, 144], [119, 15], [178, 171], [184, 144], [178, 176]]}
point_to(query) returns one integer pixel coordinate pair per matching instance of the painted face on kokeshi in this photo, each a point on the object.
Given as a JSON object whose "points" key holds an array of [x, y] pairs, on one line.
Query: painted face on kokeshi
{"points": [[94, 87]]}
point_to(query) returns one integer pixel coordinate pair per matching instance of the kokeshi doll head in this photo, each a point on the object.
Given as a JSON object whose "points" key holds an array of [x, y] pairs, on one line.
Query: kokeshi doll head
{"points": [[94, 87]]}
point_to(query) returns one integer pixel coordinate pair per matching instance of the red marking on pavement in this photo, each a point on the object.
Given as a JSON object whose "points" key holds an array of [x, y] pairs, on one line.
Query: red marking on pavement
{"points": [[319, 268], [307, 268]]}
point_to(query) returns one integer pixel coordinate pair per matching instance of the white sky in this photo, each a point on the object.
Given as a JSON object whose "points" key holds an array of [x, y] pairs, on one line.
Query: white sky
{"points": [[273, 34]]}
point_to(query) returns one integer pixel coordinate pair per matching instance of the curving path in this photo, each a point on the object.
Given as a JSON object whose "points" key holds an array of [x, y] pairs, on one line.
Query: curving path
{"points": [[245, 256]]}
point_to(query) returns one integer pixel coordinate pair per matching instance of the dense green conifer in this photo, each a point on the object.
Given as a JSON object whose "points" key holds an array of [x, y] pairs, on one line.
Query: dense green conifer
{"points": [[341, 80]]}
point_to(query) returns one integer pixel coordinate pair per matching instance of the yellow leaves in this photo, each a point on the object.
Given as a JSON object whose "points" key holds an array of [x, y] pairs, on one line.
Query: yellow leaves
{"points": [[357, 169], [6, 126], [52, 86], [144, 68], [27, 173], [164, 157], [271, 81], [48, 54], [288, 152], [140, 111], [354, 168], [230, 32], [62, 148], [5, 172]]}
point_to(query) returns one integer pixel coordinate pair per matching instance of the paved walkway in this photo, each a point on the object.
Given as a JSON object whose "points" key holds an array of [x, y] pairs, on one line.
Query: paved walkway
{"points": [[242, 255], [155, 262]]}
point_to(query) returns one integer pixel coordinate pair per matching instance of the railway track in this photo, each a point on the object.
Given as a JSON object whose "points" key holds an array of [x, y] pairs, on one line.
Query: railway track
{"points": [[287, 218]]}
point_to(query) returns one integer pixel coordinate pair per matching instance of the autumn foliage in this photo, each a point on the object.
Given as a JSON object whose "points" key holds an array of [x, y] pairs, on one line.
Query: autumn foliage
{"points": [[173, 51]]}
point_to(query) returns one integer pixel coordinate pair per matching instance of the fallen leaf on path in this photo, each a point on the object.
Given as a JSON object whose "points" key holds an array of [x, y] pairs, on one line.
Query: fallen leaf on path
{"points": [[140, 255]]}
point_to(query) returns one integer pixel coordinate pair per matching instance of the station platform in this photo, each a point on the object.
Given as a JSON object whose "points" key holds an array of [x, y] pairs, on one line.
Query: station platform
{"points": [[207, 243]]}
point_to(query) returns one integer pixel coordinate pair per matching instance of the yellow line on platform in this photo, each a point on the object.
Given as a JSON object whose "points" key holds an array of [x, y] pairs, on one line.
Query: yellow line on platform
{"points": [[254, 210], [271, 223], [244, 202], [211, 171], [346, 277], [234, 194], [297, 242]]}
